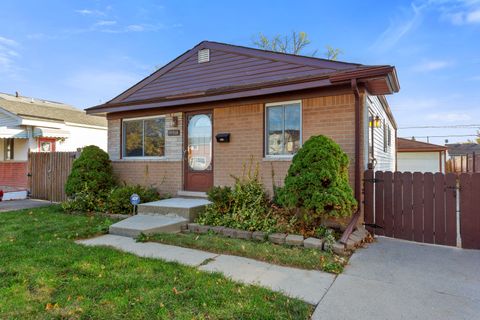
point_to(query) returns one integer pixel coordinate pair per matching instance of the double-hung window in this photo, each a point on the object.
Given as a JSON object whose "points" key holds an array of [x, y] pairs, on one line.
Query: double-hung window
{"points": [[283, 124], [144, 137]]}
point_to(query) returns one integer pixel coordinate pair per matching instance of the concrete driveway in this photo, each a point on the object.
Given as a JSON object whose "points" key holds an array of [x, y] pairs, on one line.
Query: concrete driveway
{"points": [[22, 204], [395, 279]]}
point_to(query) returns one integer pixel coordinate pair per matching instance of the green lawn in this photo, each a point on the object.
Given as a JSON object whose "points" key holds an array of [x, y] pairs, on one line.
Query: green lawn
{"points": [[45, 275], [264, 251]]}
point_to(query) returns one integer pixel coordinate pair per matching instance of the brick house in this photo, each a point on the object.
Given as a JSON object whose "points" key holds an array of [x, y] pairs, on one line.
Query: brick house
{"points": [[197, 120]]}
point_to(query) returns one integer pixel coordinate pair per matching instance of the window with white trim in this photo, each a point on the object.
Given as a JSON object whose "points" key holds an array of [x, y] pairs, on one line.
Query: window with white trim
{"points": [[283, 128], [144, 137]]}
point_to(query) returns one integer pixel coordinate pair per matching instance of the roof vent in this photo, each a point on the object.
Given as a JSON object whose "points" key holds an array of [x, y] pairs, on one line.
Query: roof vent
{"points": [[203, 55]]}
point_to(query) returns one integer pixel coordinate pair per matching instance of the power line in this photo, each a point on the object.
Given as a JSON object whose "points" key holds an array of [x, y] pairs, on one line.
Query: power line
{"points": [[456, 126], [446, 136]]}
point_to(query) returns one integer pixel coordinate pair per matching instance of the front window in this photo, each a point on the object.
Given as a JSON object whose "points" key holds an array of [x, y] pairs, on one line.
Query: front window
{"points": [[144, 137], [283, 128]]}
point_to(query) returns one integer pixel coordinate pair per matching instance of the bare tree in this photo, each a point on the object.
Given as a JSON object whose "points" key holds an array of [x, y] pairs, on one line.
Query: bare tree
{"points": [[293, 43]]}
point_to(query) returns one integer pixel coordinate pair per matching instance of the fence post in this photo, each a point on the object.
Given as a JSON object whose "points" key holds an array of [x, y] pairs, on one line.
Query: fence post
{"points": [[473, 163], [368, 183], [458, 212]]}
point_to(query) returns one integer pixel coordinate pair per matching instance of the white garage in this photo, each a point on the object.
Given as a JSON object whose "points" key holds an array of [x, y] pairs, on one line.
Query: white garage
{"points": [[417, 156]]}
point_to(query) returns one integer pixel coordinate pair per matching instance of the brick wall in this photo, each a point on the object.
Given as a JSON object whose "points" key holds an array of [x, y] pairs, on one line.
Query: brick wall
{"points": [[332, 116], [165, 176], [14, 174], [114, 136]]}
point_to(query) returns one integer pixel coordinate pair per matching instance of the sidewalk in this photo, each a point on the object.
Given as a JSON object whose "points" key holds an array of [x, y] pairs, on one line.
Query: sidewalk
{"points": [[12, 205], [307, 285]]}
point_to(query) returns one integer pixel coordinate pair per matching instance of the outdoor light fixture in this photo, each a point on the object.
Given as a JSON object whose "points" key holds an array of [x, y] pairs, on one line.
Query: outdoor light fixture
{"points": [[174, 121], [375, 122]]}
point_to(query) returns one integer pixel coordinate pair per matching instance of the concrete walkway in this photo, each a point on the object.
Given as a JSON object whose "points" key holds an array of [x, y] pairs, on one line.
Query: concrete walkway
{"points": [[307, 285], [391, 279], [395, 279], [22, 204]]}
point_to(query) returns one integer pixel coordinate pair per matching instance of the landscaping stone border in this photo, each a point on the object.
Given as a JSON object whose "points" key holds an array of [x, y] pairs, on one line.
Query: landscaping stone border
{"points": [[356, 239]]}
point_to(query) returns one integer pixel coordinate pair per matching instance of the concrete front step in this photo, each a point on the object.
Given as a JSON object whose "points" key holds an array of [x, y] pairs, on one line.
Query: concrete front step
{"points": [[132, 227], [192, 194], [188, 208]]}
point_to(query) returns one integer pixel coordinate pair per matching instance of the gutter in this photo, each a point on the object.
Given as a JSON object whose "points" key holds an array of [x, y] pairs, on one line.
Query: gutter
{"points": [[353, 222]]}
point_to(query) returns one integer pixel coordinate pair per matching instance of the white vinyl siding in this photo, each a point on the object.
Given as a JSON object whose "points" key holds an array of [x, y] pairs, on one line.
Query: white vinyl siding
{"points": [[383, 153]]}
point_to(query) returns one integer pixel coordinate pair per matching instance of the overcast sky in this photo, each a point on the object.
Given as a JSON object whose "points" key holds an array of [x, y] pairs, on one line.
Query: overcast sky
{"points": [[86, 52]]}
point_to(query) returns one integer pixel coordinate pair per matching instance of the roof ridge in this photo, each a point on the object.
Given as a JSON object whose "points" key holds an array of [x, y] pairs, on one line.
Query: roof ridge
{"points": [[282, 53], [291, 58], [38, 101]]}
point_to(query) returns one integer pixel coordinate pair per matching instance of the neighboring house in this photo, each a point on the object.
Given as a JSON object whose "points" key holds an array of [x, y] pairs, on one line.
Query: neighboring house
{"points": [[463, 157], [417, 156], [196, 121], [30, 124]]}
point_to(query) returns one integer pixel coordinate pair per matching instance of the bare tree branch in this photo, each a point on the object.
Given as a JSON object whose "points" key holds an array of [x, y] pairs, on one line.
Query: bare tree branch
{"points": [[294, 44], [332, 53]]}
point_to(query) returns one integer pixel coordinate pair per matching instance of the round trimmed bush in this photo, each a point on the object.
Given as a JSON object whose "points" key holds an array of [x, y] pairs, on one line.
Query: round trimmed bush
{"points": [[92, 171], [317, 180]]}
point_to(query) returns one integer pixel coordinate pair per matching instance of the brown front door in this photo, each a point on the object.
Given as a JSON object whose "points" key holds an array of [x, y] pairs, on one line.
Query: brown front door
{"points": [[198, 152]]}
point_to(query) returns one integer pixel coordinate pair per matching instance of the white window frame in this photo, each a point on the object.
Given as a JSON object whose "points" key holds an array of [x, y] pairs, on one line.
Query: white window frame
{"points": [[265, 133], [143, 138]]}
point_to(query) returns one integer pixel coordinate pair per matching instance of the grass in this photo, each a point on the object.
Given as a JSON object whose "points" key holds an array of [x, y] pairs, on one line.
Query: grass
{"points": [[312, 259], [45, 275]]}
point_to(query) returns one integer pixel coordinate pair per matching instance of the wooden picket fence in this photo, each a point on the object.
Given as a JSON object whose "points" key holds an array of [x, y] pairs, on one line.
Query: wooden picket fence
{"points": [[423, 207], [48, 172]]}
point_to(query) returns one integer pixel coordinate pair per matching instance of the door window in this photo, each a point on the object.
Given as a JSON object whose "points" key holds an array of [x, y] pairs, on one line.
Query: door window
{"points": [[199, 149]]}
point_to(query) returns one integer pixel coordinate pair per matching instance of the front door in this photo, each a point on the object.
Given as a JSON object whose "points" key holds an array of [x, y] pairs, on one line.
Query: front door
{"points": [[198, 151]]}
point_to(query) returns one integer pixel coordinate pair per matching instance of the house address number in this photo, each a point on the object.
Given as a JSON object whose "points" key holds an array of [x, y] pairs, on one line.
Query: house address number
{"points": [[174, 132]]}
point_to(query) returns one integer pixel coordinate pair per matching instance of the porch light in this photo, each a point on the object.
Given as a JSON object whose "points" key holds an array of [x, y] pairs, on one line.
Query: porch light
{"points": [[375, 122]]}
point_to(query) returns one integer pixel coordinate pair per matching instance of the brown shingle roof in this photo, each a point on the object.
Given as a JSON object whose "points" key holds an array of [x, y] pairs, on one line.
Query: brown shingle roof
{"points": [[32, 108], [235, 71], [407, 145]]}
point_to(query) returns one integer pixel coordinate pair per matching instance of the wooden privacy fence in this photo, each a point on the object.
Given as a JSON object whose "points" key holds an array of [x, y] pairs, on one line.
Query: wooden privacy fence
{"points": [[468, 163], [48, 173], [470, 210], [423, 207]]}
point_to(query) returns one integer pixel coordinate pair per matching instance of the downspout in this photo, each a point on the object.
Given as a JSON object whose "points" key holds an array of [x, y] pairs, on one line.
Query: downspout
{"points": [[353, 222], [356, 93]]}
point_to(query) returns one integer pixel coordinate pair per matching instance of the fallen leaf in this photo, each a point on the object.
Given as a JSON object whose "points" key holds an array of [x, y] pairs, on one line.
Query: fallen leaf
{"points": [[50, 306]]}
